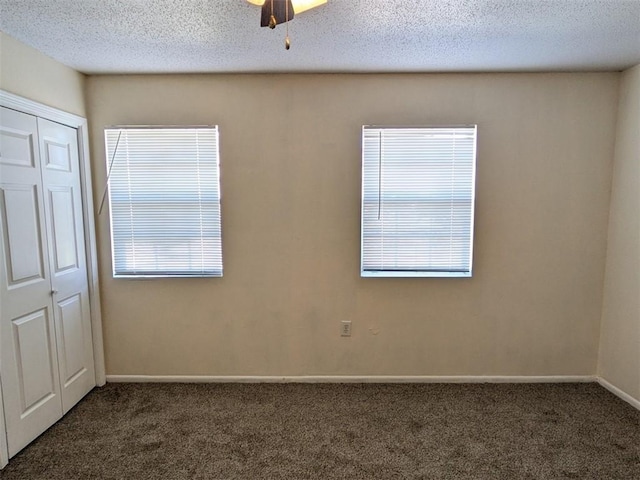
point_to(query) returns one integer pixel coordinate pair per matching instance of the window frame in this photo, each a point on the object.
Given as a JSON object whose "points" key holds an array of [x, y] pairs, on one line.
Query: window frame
{"points": [[417, 273]]}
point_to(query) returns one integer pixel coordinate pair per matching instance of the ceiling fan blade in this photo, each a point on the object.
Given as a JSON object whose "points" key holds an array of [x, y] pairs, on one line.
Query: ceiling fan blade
{"points": [[279, 11]]}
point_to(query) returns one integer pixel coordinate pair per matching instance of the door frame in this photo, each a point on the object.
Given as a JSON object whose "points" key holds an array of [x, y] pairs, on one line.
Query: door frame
{"points": [[16, 102], [4, 446]]}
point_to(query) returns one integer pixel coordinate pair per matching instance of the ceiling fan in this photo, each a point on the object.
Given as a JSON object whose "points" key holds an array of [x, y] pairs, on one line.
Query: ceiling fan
{"points": [[282, 11]]}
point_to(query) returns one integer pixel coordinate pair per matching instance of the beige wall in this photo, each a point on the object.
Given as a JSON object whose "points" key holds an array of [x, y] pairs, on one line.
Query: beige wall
{"points": [[28, 73], [290, 147], [620, 334]]}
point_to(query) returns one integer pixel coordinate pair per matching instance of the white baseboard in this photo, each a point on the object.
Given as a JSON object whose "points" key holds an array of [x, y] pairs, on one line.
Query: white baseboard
{"points": [[375, 379], [619, 393], [350, 379]]}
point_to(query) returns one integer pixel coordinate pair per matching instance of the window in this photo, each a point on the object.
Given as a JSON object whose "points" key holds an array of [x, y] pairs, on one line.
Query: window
{"points": [[417, 201], [164, 194]]}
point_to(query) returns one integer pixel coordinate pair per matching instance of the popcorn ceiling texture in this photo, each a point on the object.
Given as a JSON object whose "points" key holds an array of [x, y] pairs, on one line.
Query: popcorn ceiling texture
{"points": [[164, 36]]}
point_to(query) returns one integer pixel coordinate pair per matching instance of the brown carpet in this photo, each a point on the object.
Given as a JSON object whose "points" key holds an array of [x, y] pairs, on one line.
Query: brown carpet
{"points": [[357, 431]]}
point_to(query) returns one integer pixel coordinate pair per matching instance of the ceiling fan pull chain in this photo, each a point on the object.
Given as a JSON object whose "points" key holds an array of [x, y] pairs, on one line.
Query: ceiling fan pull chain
{"points": [[287, 42], [272, 18]]}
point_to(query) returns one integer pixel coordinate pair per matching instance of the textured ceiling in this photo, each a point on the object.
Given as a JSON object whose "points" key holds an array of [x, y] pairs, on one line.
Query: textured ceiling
{"points": [[140, 36]]}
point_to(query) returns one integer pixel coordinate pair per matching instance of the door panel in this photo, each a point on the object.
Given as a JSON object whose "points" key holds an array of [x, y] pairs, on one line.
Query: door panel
{"points": [[34, 359], [57, 155], [28, 354], [21, 224], [63, 206], [63, 229], [72, 363], [17, 145]]}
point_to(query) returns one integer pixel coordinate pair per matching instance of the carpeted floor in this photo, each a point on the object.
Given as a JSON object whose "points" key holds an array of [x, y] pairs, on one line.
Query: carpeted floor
{"points": [[349, 431]]}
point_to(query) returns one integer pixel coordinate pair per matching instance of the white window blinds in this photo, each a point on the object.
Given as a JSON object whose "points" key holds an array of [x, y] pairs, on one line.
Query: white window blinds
{"points": [[164, 194], [418, 201]]}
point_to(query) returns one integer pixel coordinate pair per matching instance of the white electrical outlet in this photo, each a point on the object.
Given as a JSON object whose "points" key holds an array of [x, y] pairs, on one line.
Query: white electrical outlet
{"points": [[346, 328]]}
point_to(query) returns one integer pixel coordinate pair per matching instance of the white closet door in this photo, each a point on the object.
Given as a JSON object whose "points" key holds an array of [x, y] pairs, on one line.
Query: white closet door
{"points": [[65, 234], [28, 359]]}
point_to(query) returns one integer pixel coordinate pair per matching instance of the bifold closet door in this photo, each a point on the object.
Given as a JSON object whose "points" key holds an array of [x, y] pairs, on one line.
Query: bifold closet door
{"points": [[67, 259], [28, 351], [46, 352]]}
